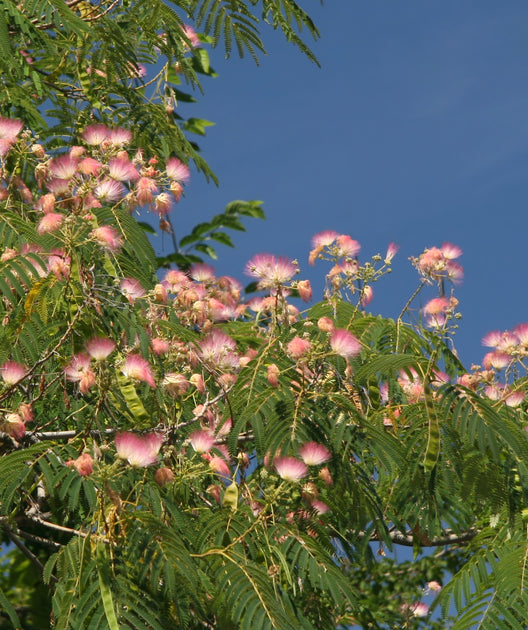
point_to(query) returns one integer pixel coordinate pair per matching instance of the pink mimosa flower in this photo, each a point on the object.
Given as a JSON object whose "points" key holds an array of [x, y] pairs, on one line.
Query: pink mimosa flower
{"points": [[218, 350], [314, 454], [99, 348], [273, 375], [94, 135], [163, 204], [138, 368], [319, 506], [159, 346], [50, 222], [175, 384], [10, 128], [198, 381], [325, 324], [146, 188], [290, 468], [13, 425], [347, 246], [324, 239], [392, 250], [202, 272], [366, 295], [63, 167], [119, 136], [298, 347], [138, 450], [219, 466], [202, 441], [191, 35], [177, 171], [123, 170], [419, 609], [514, 399], [78, 370], [83, 464], [90, 166], [46, 203], [108, 237], [305, 290], [5, 146], [344, 343], [13, 372], [132, 288], [271, 271], [109, 190], [451, 251]]}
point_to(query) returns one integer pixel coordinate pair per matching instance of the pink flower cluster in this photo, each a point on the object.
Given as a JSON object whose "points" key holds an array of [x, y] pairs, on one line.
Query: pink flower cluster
{"points": [[439, 263]]}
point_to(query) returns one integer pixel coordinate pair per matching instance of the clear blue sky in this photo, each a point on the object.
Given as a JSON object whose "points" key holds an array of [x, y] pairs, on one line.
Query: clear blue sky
{"points": [[415, 130]]}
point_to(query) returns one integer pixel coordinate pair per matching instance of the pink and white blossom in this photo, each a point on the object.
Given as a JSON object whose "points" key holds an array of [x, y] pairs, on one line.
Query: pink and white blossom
{"points": [[99, 348], [177, 171], [314, 454], [290, 468], [139, 369], [344, 343], [138, 450], [12, 372]]}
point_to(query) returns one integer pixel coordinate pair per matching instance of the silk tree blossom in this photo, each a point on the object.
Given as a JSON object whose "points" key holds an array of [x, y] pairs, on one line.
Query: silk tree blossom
{"points": [[119, 136], [99, 348], [89, 166], [435, 312], [78, 371], [108, 237], [50, 222], [298, 348], [109, 191], [177, 171], [145, 190], [138, 450], [218, 465], [94, 135], [314, 454], [83, 464], [191, 35], [175, 384], [497, 360], [271, 271], [13, 425], [367, 293], [218, 350], [139, 369], [438, 263], [305, 290], [344, 343], [132, 289], [123, 170], [290, 468], [347, 247], [10, 128], [13, 372], [163, 204], [202, 441], [392, 250], [63, 167]]}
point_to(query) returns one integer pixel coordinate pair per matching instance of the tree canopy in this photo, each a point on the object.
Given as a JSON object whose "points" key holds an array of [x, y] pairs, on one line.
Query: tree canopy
{"points": [[178, 452]]}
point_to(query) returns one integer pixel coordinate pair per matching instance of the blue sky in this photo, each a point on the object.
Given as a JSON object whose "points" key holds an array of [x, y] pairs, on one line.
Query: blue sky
{"points": [[415, 130]]}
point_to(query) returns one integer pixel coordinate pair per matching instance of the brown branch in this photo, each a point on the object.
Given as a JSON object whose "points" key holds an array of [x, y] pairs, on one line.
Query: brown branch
{"points": [[409, 539]]}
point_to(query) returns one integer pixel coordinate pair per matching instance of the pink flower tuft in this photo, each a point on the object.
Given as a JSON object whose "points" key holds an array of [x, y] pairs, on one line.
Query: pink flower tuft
{"points": [[314, 454], [138, 368], [305, 290], [12, 372], [177, 171], [95, 135], [290, 468], [63, 167], [138, 450], [344, 343], [109, 190], [99, 348], [83, 464], [273, 375], [392, 250], [202, 441], [132, 288], [123, 170], [271, 271], [10, 128], [50, 222], [108, 238], [298, 347]]}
